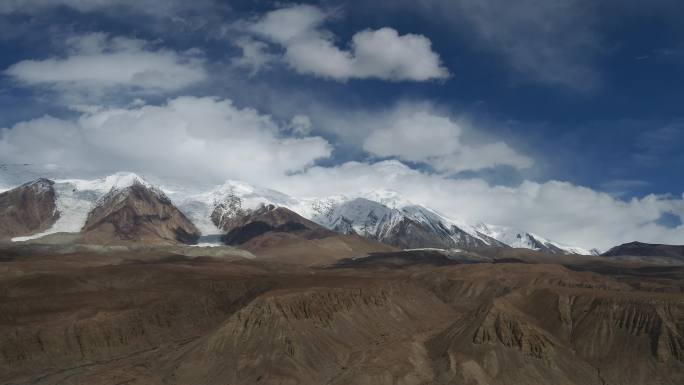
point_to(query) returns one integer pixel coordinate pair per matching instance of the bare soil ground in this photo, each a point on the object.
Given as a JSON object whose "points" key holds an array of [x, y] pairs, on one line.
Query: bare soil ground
{"points": [[161, 317]]}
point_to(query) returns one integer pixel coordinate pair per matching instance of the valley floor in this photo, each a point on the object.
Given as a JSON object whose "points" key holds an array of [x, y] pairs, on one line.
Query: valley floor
{"points": [[158, 317]]}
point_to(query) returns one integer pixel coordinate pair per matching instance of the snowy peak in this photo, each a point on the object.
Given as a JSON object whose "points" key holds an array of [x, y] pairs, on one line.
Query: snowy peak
{"points": [[138, 212], [39, 185], [214, 208], [250, 196], [389, 198], [406, 225], [122, 186], [517, 238], [76, 198], [381, 215], [226, 211], [117, 181], [268, 219], [123, 180], [358, 215]]}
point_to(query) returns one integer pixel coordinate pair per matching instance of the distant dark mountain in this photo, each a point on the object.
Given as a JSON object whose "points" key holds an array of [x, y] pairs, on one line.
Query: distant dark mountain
{"points": [[139, 213], [416, 257], [28, 209], [638, 249]]}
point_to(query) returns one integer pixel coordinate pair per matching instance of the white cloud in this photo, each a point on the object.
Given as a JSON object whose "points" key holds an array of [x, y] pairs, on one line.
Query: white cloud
{"points": [[475, 158], [382, 53], [290, 23], [255, 55], [301, 125], [192, 138], [417, 134], [414, 135], [98, 63]]}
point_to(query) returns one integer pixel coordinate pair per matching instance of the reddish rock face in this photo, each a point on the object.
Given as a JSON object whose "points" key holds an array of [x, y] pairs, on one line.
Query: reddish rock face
{"points": [[140, 214], [28, 209]]}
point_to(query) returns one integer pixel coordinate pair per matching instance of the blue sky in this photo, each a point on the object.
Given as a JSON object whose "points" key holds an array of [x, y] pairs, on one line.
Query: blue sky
{"points": [[476, 98]]}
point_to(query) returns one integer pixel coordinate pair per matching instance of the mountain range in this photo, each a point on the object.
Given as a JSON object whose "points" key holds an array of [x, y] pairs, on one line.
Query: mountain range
{"points": [[98, 286], [125, 207]]}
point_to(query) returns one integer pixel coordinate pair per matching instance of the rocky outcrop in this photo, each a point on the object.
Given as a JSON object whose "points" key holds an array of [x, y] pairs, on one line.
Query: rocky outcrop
{"points": [[410, 234], [69, 325], [138, 213], [243, 226], [656, 327], [320, 335], [28, 209], [514, 331], [278, 233], [228, 213]]}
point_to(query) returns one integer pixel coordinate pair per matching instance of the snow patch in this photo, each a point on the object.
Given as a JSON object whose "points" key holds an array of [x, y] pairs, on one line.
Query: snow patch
{"points": [[117, 181], [517, 238], [73, 206]]}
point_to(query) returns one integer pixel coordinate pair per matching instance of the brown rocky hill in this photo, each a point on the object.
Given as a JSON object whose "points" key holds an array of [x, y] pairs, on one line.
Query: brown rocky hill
{"points": [[252, 224], [564, 328], [28, 209], [137, 213], [278, 233]]}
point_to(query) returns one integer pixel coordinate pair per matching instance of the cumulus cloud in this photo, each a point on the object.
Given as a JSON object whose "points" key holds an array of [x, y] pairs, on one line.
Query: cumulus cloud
{"points": [[417, 134], [381, 53], [100, 63], [414, 136], [204, 138], [301, 125], [475, 158], [255, 55]]}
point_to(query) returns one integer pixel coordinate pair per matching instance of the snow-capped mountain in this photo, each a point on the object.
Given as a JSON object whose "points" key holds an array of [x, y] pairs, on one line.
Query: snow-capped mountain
{"points": [[208, 209], [28, 209], [380, 215], [135, 211], [76, 198], [520, 239], [409, 226]]}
